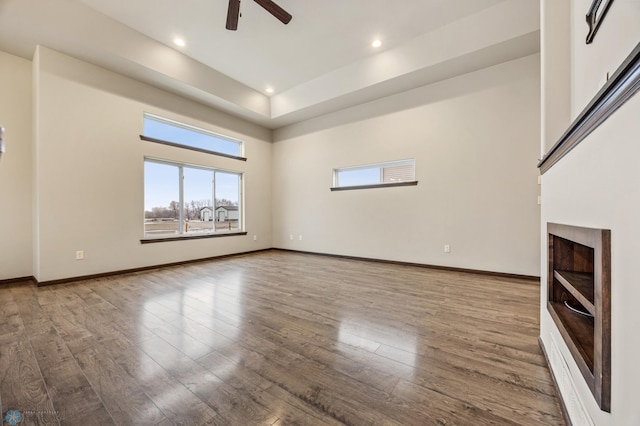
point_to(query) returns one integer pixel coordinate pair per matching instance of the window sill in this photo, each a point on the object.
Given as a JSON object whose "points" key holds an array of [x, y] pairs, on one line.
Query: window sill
{"points": [[379, 185], [190, 237]]}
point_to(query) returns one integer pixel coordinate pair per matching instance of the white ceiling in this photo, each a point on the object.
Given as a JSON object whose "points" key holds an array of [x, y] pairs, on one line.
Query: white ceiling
{"points": [[322, 36], [320, 62]]}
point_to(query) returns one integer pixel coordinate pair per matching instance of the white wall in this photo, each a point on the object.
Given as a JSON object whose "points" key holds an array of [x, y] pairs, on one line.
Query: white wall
{"points": [[475, 139], [89, 185], [15, 168], [555, 59], [596, 185]]}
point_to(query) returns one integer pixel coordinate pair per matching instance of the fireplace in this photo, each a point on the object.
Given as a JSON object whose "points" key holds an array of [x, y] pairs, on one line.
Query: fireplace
{"points": [[579, 287]]}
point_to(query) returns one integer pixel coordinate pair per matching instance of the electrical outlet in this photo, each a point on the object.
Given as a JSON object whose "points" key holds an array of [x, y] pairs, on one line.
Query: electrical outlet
{"points": [[299, 237], [255, 238], [447, 248], [291, 237], [80, 255]]}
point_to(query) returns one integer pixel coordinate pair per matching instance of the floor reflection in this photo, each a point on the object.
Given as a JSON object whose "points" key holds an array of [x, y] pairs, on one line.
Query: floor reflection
{"points": [[198, 317], [382, 340], [281, 338]]}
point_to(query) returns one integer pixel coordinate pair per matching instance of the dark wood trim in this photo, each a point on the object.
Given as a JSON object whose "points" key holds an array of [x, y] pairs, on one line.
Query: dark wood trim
{"points": [[603, 329], [624, 83], [190, 237], [420, 265], [575, 350], [378, 185], [563, 405], [177, 145], [533, 279], [143, 269], [16, 280]]}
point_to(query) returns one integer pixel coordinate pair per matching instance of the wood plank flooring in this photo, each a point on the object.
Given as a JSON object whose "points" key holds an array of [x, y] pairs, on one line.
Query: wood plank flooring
{"points": [[276, 338]]}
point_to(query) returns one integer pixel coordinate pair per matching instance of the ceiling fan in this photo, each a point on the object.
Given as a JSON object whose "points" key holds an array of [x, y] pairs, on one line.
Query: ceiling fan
{"points": [[233, 13]]}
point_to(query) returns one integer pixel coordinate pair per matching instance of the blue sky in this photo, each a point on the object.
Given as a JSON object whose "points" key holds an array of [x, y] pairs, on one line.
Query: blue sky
{"points": [[162, 185], [359, 176], [189, 137]]}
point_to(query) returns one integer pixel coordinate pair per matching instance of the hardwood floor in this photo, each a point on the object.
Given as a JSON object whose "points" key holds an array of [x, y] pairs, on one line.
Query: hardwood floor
{"points": [[276, 338]]}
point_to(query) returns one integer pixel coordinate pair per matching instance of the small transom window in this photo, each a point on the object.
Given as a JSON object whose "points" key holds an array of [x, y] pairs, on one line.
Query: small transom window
{"points": [[163, 130], [373, 175]]}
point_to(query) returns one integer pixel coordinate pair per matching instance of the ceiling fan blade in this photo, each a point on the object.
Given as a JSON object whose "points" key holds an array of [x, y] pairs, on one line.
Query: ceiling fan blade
{"points": [[233, 13], [275, 10]]}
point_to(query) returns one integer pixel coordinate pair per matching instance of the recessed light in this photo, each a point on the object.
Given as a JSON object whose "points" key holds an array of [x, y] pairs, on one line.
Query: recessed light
{"points": [[376, 43], [179, 41], [269, 90]]}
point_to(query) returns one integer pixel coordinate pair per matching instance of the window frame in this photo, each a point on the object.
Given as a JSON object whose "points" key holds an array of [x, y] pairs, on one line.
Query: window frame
{"points": [[181, 222], [177, 144], [381, 184]]}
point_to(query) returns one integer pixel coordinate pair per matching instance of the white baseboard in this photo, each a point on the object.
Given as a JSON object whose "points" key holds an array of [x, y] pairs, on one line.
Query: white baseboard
{"points": [[578, 415]]}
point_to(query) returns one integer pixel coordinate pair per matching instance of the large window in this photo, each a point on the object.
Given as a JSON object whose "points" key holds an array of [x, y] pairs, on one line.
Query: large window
{"points": [[186, 200], [393, 173], [165, 131]]}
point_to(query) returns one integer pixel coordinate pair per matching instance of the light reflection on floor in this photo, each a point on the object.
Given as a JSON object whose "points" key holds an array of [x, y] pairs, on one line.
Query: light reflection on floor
{"points": [[380, 340], [196, 320]]}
